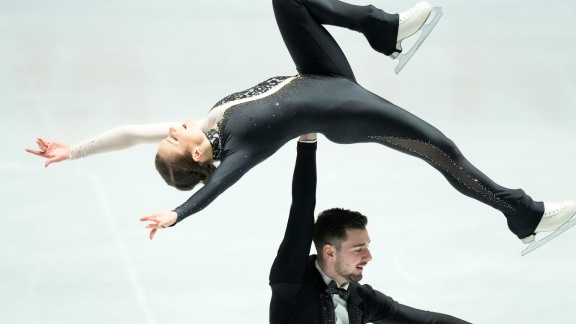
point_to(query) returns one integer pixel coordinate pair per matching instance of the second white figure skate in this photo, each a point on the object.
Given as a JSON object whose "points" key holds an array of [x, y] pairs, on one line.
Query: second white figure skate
{"points": [[558, 217], [411, 21]]}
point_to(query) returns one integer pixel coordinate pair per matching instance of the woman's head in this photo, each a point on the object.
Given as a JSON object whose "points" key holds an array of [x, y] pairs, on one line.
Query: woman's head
{"points": [[184, 158]]}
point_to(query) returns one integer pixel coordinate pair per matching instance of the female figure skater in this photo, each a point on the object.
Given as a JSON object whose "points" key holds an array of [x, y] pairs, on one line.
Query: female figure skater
{"points": [[247, 127]]}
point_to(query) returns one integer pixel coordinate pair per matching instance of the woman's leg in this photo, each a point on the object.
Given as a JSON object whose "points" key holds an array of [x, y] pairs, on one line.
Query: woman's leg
{"points": [[313, 49], [379, 27], [366, 117]]}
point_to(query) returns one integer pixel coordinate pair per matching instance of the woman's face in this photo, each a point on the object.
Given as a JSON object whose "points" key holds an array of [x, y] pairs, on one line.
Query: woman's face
{"points": [[181, 139]]}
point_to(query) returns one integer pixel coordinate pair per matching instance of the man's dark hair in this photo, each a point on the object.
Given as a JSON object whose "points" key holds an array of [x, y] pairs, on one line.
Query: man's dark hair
{"points": [[331, 226]]}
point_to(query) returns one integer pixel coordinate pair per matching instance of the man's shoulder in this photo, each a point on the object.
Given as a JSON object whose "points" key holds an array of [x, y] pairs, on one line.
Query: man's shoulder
{"points": [[365, 288], [364, 291]]}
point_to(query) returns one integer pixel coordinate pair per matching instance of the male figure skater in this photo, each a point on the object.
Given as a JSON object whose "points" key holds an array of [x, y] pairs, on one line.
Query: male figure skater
{"points": [[324, 289]]}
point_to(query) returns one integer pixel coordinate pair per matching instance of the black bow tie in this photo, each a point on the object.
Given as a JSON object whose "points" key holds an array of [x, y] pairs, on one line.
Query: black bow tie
{"points": [[333, 289]]}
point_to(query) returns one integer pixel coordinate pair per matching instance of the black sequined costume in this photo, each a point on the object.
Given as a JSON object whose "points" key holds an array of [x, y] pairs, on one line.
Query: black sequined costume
{"points": [[326, 99]]}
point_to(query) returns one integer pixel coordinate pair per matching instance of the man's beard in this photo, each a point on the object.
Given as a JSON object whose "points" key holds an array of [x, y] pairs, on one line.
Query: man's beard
{"points": [[350, 276]]}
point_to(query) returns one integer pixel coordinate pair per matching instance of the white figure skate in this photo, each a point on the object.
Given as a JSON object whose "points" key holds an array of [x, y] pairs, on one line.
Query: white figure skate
{"points": [[411, 21], [558, 217]]}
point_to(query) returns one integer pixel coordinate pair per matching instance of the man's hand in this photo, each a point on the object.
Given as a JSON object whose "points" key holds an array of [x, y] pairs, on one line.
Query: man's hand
{"points": [[308, 137]]}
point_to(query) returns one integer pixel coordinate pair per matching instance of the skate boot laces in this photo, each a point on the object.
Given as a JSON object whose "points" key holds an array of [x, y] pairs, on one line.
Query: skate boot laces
{"points": [[406, 14], [552, 208]]}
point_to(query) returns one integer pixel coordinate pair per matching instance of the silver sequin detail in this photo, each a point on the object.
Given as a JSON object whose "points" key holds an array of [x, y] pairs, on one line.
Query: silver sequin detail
{"points": [[444, 161], [259, 89], [327, 308], [82, 149], [214, 138], [354, 314]]}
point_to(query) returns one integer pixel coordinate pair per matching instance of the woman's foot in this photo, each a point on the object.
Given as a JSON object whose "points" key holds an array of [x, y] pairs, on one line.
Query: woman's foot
{"points": [[411, 21], [556, 214]]}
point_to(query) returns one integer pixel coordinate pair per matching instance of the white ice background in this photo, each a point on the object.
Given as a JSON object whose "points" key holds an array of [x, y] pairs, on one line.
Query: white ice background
{"points": [[497, 77]]}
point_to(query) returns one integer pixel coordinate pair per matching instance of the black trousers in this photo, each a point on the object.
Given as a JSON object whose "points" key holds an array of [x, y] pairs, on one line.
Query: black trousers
{"points": [[314, 51]]}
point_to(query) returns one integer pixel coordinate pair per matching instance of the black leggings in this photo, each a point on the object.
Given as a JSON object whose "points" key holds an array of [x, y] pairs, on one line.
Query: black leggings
{"points": [[314, 51]]}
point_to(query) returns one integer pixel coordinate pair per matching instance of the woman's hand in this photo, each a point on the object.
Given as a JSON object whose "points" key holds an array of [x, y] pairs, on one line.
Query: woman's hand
{"points": [[160, 220], [53, 151]]}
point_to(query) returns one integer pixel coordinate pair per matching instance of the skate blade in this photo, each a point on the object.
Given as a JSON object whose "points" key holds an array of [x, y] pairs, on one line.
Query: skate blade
{"points": [[536, 244], [426, 29]]}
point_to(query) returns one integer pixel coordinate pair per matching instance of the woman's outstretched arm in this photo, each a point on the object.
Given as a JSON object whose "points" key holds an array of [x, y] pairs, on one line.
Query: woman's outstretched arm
{"points": [[115, 139], [231, 169]]}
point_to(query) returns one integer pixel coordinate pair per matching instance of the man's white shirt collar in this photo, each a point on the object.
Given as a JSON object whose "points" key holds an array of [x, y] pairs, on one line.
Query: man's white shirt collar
{"points": [[340, 305]]}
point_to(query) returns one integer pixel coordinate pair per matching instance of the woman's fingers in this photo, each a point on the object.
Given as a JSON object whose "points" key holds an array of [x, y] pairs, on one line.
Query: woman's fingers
{"points": [[43, 148], [42, 145], [147, 217], [158, 220], [39, 143], [42, 142], [36, 152], [51, 159], [154, 224]]}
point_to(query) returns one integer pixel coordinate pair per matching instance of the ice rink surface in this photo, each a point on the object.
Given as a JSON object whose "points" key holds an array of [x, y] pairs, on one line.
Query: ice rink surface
{"points": [[497, 77]]}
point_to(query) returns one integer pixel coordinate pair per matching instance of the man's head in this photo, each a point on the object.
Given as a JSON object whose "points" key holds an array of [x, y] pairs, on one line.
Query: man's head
{"points": [[341, 241]]}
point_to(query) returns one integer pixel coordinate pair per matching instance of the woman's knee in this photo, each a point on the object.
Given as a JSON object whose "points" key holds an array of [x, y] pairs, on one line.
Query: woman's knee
{"points": [[448, 147]]}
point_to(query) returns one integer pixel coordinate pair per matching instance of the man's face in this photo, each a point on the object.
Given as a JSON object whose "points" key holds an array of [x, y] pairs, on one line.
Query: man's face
{"points": [[353, 255]]}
